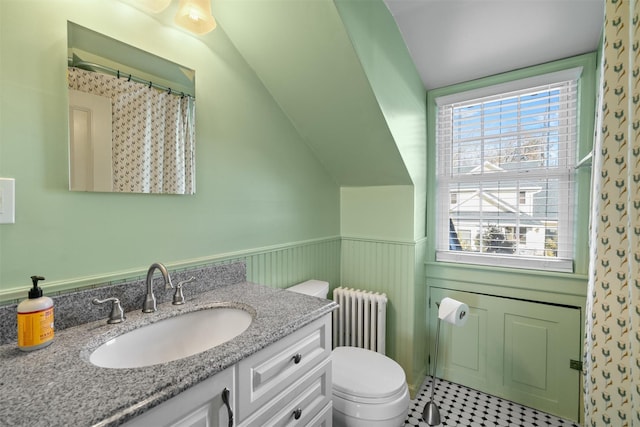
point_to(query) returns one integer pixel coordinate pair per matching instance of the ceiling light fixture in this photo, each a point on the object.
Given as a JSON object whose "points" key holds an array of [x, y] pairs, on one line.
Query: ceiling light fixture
{"points": [[195, 16]]}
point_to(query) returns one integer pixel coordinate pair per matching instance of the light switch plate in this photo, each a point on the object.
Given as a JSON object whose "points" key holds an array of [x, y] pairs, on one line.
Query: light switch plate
{"points": [[7, 201]]}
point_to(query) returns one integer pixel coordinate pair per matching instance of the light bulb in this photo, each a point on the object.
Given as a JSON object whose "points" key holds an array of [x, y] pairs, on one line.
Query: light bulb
{"points": [[195, 16]]}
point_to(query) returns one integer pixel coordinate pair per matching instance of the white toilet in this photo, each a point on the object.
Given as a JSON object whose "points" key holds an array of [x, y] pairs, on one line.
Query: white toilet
{"points": [[369, 389]]}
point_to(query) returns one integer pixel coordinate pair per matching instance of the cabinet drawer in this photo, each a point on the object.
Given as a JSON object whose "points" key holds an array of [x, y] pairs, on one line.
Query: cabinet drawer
{"points": [[300, 404], [264, 375]]}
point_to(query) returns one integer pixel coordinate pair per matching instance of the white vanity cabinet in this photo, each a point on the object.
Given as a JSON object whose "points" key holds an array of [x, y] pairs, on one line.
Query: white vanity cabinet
{"points": [[199, 406], [285, 384]]}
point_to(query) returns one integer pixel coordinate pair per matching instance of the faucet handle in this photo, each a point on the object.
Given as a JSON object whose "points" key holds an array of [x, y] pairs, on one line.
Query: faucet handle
{"points": [[178, 297], [117, 315]]}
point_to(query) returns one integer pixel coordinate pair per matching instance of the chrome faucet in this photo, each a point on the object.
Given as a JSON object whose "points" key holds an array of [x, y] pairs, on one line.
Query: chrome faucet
{"points": [[150, 300]]}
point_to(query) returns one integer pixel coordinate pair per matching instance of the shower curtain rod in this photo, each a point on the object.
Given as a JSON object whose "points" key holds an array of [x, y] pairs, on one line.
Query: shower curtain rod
{"points": [[92, 67]]}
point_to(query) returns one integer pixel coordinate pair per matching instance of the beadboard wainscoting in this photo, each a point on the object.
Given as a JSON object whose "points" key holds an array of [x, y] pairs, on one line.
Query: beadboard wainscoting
{"points": [[277, 266], [396, 269], [285, 265]]}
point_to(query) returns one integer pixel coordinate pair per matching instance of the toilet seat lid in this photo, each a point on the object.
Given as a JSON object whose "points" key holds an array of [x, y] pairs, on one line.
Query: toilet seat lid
{"points": [[364, 373]]}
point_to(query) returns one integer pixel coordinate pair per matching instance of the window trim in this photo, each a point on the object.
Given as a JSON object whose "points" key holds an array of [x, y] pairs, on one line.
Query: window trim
{"points": [[546, 264], [511, 86], [564, 265]]}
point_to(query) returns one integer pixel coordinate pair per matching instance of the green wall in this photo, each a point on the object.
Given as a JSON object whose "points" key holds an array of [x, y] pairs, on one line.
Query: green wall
{"points": [[538, 286], [397, 87], [379, 254], [258, 184], [383, 213], [383, 227], [262, 195]]}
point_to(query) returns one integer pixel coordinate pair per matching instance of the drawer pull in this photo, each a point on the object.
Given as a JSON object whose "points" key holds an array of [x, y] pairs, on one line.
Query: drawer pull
{"points": [[296, 359], [225, 400], [297, 413]]}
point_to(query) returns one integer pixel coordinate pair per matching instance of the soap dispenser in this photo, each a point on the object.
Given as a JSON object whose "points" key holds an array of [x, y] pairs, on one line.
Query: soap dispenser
{"points": [[35, 319]]}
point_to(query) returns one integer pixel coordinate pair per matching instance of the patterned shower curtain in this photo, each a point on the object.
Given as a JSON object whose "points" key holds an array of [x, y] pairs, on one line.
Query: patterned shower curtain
{"points": [[153, 134], [612, 330]]}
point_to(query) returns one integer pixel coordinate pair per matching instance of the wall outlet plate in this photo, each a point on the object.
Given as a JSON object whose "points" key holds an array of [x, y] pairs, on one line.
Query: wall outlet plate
{"points": [[7, 201]]}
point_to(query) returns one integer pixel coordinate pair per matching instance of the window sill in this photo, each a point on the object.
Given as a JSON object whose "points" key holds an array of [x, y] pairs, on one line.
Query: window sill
{"points": [[538, 264], [535, 285]]}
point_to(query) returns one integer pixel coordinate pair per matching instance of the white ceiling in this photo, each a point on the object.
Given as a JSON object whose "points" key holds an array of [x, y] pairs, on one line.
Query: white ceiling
{"points": [[453, 41]]}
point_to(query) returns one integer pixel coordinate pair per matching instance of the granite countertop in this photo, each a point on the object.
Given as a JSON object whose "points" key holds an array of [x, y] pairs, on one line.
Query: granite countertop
{"points": [[58, 386]]}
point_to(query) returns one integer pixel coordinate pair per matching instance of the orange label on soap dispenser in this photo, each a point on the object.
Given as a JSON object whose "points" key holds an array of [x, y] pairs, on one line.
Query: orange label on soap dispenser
{"points": [[35, 328]]}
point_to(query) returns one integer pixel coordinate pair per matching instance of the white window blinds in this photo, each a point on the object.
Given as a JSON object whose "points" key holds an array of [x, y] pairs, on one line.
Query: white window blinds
{"points": [[505, 175]]}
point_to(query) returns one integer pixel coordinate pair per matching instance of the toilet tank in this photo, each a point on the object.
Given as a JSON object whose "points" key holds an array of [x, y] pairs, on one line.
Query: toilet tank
{"points": [[316, 288]]}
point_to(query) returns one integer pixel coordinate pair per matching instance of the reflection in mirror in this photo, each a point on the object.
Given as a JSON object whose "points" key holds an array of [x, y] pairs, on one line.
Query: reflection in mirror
{"points": [[131, 118]]}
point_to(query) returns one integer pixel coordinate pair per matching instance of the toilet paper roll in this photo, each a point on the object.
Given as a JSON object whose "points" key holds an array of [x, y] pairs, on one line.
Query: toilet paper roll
{"points": [[453, 311]]}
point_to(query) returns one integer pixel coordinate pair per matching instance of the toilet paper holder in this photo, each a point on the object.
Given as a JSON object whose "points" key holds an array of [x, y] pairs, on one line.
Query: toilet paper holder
{"points": [[455, 313]]}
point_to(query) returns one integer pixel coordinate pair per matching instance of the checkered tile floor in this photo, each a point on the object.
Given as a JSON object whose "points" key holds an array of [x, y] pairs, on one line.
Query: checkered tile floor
{"points": [[464, 407]]}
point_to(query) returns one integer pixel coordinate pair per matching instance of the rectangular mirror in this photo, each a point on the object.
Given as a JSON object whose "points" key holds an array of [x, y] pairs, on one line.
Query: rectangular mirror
{"points": [[131, 118]]}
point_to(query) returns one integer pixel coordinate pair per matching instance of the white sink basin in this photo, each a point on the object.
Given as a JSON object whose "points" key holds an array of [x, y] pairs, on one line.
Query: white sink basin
{"points": [[172, 339]]}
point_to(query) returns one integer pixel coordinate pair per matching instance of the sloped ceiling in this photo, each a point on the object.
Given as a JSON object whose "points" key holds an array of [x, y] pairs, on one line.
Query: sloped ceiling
{"points": [[302, 53]]}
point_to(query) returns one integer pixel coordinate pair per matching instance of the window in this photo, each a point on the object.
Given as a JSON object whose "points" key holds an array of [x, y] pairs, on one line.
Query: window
{"points": [[523, 197], [506, 155]]}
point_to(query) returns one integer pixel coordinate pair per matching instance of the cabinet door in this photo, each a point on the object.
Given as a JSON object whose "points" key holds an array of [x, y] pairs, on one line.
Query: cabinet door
{"points": [[199, 406], [518, 350]]}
